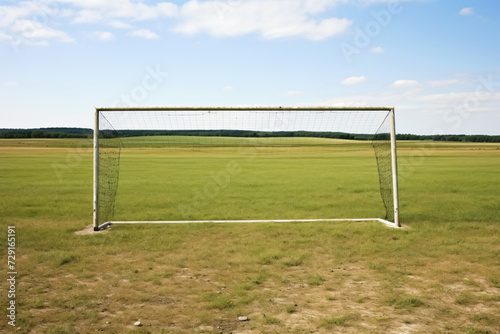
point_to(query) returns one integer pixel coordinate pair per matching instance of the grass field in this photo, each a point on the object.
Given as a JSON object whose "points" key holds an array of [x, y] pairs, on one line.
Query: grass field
{"points": [[441, 274], [235, 182]]}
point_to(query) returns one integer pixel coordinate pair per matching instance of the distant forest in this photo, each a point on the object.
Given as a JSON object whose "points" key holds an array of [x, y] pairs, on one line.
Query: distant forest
{"points": [[46, 133], [88, 133]]}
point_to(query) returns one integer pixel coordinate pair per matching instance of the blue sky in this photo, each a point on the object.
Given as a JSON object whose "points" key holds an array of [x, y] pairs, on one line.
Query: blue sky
{"points": [[436, 61]]}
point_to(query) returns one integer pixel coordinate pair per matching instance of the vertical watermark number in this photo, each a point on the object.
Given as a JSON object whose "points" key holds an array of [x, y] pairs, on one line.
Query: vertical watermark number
{"points": [[11, 275]]}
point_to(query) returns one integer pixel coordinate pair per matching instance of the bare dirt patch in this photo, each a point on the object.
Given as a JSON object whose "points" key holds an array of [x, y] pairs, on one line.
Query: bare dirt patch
{"points": [[89, 230]]}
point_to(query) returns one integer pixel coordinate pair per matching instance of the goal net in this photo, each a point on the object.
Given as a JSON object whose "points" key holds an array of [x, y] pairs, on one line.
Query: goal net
{"points": [[175, 165]]}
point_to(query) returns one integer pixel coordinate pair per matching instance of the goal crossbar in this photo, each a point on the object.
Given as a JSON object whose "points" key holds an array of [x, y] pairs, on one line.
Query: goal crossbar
{"points": [[246, 109], [98, 225]]}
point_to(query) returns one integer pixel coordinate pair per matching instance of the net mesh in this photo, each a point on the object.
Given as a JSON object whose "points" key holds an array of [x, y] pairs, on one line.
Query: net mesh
{"points": [[268, 130], [382, 147], [110, 147]]}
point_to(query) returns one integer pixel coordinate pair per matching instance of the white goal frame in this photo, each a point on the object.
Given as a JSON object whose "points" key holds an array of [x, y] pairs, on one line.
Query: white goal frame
{"points": [[101, 225]]}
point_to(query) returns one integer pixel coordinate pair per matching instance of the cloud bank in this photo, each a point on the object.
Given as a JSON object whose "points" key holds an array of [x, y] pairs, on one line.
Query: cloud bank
{"points": [[42, 22]]}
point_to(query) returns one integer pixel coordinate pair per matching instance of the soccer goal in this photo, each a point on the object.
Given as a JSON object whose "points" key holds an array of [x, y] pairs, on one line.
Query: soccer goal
{"points": [[244, 165]]}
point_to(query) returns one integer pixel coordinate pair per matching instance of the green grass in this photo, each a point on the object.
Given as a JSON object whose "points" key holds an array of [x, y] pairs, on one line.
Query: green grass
{"points": [[291, 308], [237, 142], [265, 187], [400, 302], [337, 321], [361, 277]]}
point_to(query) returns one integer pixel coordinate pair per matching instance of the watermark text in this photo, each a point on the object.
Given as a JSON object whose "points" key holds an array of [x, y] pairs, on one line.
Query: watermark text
{"points": [[11, 275]]}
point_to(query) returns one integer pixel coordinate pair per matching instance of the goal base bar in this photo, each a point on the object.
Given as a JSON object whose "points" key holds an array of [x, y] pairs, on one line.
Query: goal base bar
{"points": [[385, 222]]}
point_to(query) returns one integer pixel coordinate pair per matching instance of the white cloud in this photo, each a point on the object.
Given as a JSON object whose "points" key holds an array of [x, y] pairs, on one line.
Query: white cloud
{"points": [[10, 14], [293, 93], [367, 2], [5, 37], [466, 11], [47, 15], [405, 83], [228, 88], [104, 36], [354, 81], [125, 9], [270, 19], [445, 98], [461, 102], [377, 49], [167, 9], [88, 16], [119, 24], [35, 33], [144, 33], [29, 23], [443, 83], [425, 113]]}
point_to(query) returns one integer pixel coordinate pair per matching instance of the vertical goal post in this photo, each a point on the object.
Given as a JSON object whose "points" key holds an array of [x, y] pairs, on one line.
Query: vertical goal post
{"points": [[96, 171], [394, 162], [98, 177]]}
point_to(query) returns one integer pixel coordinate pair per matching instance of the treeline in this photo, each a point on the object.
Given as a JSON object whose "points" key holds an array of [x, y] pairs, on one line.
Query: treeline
{"points": [[87, 133], [332, 135], [46, 133], [235, 133], [452, 138]]}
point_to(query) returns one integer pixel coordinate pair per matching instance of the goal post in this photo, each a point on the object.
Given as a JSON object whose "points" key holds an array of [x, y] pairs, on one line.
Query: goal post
{"points": [[96, 171], [394, 165], [233, 129]]}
